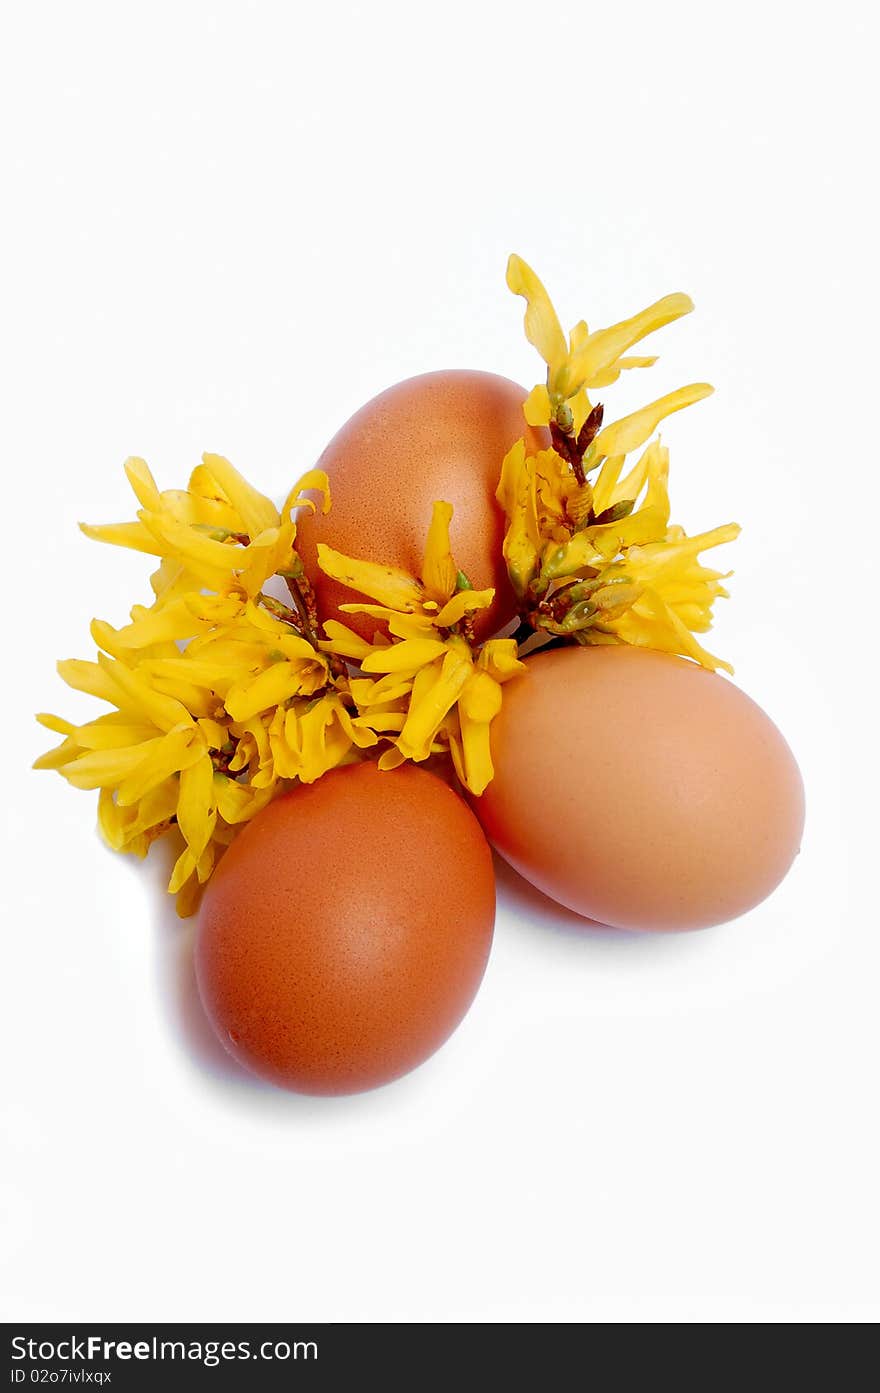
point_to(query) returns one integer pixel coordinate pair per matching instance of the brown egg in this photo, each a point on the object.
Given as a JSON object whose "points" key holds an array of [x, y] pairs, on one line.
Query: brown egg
{"points": [[640, 790], [439, 436], [345, 932]]}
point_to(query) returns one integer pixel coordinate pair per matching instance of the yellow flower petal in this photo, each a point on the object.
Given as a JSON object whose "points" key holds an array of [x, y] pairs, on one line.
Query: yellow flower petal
{"points": [[196, 806], [381, 721], [344, 641], [480, 698], [56, 723], [276, 684], [367, 693], [439, 571], [606, 376], [359, 731], [133, 535], [325, 740], [240, 802], [500, 658], [465, 602], [188, 898], [215, 734], [601, 349], [171, 754], [155, 810], [387, 584], [632, 431], [512, 468], [174, 622], [537, 407], [184, 867], [61, 755], [404, 656], [214, 516], [392, 758], [269, 553], [255, 510], [91, 679], [653, 624], [406, 625], [163, 711], [108, 768], [522, 539], [316, 481], [112, 733], [142, 482], [541, 323], [605, 484], [171, 580], [436, 689], [212, 560]]}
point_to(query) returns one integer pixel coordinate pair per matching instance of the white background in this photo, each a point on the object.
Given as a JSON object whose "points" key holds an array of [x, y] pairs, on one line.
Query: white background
{"points": [[225, 227]]}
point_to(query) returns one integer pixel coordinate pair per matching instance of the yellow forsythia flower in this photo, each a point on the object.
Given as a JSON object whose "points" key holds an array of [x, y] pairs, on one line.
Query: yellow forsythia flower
{"points": [[586, 360], [217, 692], [596, 558], [424, 690]]}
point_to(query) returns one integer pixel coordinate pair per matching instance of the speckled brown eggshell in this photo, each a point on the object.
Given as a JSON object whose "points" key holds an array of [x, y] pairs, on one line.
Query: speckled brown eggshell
{"points": [[641, 790], [440, 436], [346, 930]]}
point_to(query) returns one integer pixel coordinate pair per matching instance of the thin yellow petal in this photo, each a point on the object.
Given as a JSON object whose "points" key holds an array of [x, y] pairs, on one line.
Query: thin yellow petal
{"points": [[605, 483], [512, 468], [107, 768], [436, 690], [478, 705], [439, 571], [240, 802], [386, 584], [368, 693], [184, 867], [200, 551], [171, 754], [392, 758], [344, 641], [537, 407], [541, 323], [60, 756], [632, 431], [173, 622], [255, 510], [276, 684], [133, 535], [56, 723], [604, 347], [404, 625], [404, 656], [314, 481], [142, 482], [465, 602], [88, 677], [162, 710], [500, 658], [606, 376], [111, 733], [480, 698], [196, 805]]}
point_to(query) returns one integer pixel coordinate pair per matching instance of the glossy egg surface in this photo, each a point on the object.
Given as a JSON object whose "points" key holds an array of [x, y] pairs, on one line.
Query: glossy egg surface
{"points": [[641, 790], [440, 436], [346, 930]]}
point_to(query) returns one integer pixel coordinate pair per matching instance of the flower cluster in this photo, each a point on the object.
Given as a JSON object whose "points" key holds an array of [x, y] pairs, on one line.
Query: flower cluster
{"points": [[221, 693], [425, 687], [596, 560]]}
